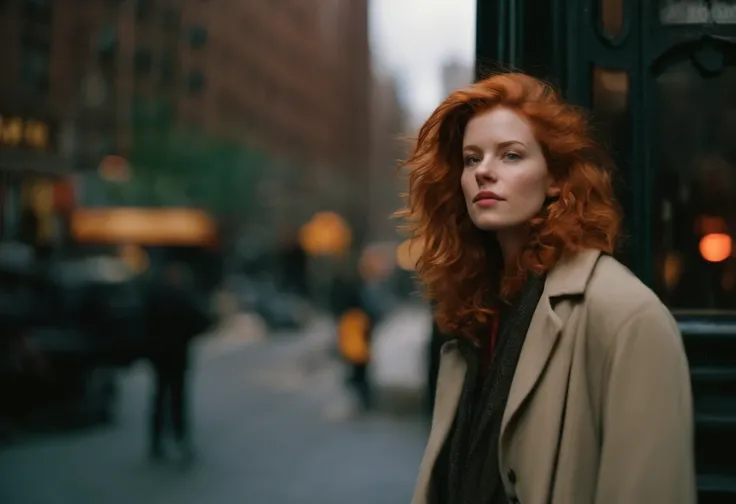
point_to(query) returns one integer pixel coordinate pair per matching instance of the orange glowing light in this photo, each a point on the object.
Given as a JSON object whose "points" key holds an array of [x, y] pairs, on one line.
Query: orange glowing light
{"points": [[407, 254], [325, 234], [143, 226], [37, 134], [352, 330], [672, 269], [12, 131], [114, 168], [715, 247]]}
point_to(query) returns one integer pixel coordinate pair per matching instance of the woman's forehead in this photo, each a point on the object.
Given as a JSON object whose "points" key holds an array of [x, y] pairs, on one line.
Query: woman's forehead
{"points": [[499, 125]]}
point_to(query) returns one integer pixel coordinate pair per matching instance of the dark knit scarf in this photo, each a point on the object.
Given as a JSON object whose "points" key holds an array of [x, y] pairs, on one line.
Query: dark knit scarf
{"points": [[467, 470]]}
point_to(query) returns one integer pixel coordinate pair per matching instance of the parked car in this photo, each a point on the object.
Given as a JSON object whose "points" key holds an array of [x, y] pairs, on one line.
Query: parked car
{"points": [[67, 329]]}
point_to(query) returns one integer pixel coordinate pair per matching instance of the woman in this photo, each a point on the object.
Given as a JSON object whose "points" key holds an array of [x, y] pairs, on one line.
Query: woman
{"points": [[567, 381]]}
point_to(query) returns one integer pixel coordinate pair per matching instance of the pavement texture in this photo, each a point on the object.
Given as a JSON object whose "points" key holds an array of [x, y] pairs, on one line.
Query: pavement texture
{"points": [[271, 424]]}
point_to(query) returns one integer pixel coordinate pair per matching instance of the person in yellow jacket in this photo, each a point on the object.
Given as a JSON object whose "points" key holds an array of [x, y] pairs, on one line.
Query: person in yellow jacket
{"points": [[356, 318]]}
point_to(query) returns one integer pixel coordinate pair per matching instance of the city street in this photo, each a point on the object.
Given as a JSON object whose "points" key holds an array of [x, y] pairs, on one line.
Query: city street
{"points": [[267, 429]]}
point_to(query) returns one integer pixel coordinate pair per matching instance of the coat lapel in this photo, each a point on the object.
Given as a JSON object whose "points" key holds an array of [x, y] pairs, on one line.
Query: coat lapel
{"points": [[568, 278], [449, 388]]}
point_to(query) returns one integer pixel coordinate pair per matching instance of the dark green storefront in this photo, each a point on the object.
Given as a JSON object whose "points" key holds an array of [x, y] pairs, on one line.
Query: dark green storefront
{"points": [[664, 96], [660, 79]]}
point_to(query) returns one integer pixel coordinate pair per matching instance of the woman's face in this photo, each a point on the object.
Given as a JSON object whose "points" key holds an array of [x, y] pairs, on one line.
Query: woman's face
{"points": [[505, 179]]}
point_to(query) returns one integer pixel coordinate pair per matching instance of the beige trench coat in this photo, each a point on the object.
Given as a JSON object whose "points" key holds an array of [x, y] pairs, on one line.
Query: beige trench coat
{"points": [[600, 408]]}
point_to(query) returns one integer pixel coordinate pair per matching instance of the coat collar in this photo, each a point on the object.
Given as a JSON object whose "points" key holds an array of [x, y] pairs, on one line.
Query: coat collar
{"points": [[569, 277]]}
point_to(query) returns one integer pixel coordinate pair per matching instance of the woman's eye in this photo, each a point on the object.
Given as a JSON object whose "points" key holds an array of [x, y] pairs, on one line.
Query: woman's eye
{"points": [[512, 156], [471, 160]]}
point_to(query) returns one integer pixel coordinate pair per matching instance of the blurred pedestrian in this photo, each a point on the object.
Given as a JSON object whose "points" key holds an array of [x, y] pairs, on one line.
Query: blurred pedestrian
{"points": [[175, 315], [566, 380], [357, 313]]}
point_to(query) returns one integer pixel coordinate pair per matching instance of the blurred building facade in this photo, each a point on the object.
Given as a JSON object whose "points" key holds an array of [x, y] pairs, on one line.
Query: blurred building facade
{"points": [[291, 80], [389, 145], [288, 80], [456, 75], [37, 62]]}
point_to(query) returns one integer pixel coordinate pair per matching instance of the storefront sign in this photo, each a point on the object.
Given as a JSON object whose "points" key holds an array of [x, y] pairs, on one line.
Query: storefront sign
{"points": [[143, 226]]}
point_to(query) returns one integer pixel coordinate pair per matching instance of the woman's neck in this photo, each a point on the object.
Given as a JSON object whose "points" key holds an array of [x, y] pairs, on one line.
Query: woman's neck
{"points": [[511, 241]]}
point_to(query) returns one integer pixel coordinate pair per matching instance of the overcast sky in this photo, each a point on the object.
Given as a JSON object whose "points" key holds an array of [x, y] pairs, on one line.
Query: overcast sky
{"points": [[412, 38]]}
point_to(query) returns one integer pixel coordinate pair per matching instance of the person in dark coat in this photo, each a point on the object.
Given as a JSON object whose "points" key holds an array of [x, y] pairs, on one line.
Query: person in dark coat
{"points": [[175, 316], [355, 308]]}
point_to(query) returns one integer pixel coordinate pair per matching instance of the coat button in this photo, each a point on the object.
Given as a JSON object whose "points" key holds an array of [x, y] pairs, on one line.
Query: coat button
{"points": [[511, 475]]}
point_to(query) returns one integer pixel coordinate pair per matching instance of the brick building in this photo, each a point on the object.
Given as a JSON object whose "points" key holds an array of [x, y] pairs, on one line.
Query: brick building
{"points": [[288, 79], [389, 145], [293, 80]]}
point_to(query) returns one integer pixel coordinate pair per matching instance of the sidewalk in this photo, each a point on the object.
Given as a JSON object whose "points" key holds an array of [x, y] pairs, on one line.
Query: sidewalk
{"points": [[241, 330], [232, 334], [399, 348]]}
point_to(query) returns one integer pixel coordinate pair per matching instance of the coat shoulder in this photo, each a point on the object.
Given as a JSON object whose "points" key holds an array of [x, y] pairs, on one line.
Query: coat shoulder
{"points": [[614, 286], [614, 295]]}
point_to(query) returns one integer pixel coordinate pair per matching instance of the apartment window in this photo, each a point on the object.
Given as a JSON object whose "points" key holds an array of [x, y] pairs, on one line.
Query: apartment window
{"points": [[107, 45], [197, 37], [35, 69], [143, 61], [143, 9]]}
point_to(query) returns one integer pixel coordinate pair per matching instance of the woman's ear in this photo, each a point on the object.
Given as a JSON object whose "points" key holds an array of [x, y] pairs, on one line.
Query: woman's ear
{"points": [[554, 190]]}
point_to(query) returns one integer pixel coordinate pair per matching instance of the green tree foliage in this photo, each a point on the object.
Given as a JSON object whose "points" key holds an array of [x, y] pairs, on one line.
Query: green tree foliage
{"points": [[171, 165]]}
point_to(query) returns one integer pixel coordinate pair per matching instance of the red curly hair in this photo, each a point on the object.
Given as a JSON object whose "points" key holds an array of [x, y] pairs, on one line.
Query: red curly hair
{"points": [[460, 268]]}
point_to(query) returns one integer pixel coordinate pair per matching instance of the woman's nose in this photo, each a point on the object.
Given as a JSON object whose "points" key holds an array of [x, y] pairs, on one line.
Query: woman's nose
{"points": [[485, 171]]}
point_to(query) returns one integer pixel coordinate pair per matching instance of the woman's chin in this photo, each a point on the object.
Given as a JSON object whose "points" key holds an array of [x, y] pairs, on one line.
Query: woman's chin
{"points": [[489, 224]]}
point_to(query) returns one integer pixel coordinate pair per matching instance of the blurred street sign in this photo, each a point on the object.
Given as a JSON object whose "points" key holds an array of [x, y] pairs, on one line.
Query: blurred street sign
{"points": [[144, 226]]}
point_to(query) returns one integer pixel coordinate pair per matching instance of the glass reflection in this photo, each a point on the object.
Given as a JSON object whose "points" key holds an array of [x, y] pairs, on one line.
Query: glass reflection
{"points": [[610, 103], [695, 213], [612, 17]]}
